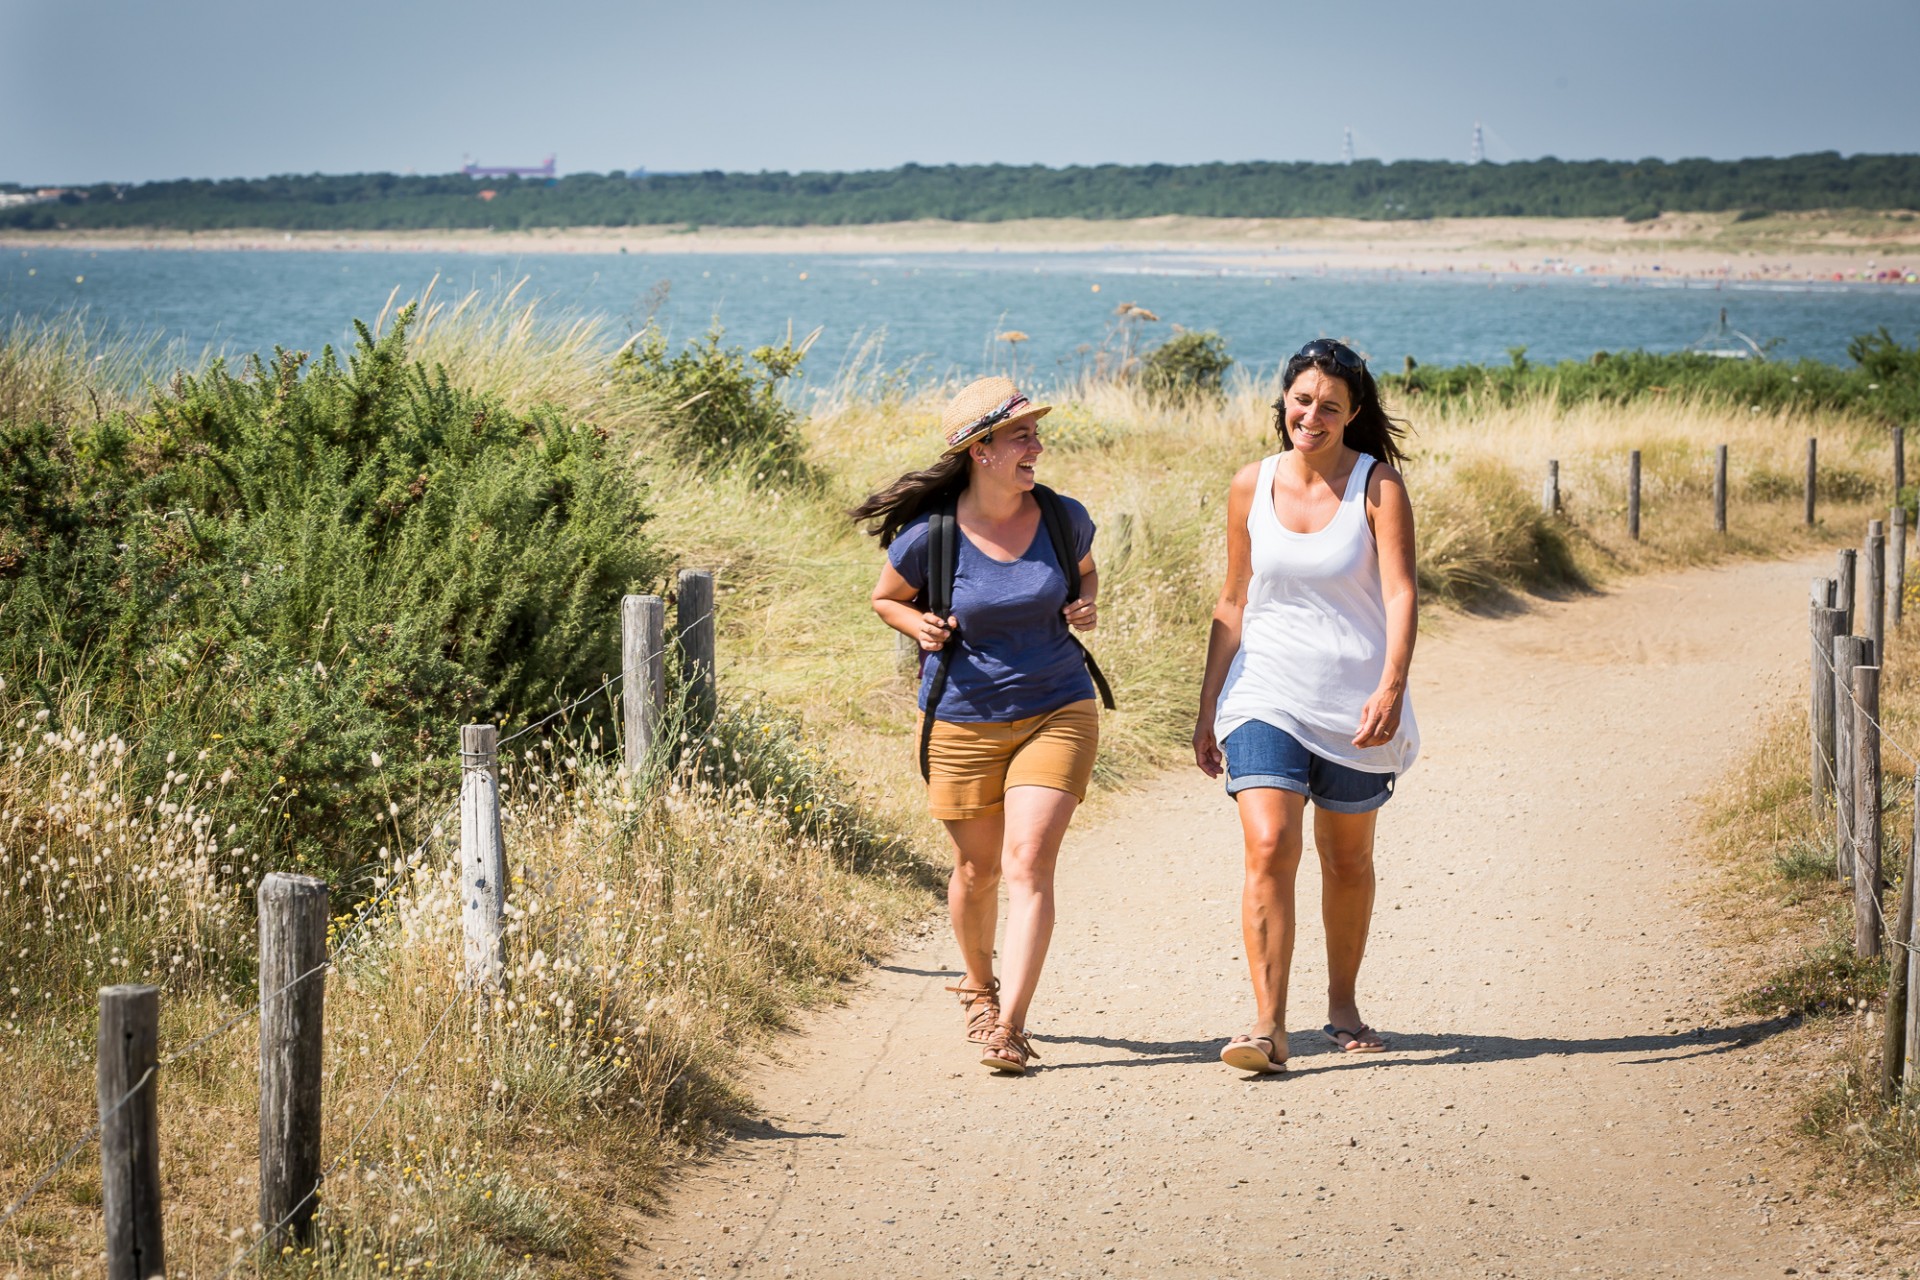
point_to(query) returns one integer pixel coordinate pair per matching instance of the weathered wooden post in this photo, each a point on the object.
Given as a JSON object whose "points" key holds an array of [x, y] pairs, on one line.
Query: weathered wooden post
{"points": [[1550, 489], [1813, 475], [694, 619], [1720, 488], [1849, 653], [483, 859], [1633, 495], [293, 945], [1899, 461], [1912, 1054], [1826, 623], [1866, 812], [1843, 590], [1875, 605], [1893, 1045], [1897, 564], [126, 1084], [643, 668], [906, 654]]}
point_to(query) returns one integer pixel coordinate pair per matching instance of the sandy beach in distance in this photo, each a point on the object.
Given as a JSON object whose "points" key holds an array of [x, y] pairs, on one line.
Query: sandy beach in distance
{"points": [[1850, 246]]}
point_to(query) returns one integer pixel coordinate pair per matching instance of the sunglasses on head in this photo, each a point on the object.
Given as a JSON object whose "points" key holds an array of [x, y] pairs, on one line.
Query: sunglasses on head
{"points": [[1328, 349]]}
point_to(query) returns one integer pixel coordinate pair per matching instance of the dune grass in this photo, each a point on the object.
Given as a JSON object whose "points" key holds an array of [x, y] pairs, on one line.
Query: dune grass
{"points": [[661, 932]]}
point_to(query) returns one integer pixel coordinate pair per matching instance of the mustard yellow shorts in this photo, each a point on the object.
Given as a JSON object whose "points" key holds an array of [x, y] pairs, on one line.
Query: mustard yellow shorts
{"points": [[971, 764]]}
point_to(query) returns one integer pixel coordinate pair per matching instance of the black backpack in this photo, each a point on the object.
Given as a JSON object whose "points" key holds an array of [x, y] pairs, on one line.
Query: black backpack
{"points": [[943, 559]]}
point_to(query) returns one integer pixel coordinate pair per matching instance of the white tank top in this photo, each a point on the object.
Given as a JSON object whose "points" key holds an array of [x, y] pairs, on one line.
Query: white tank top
{"points": [[1313, 638]]}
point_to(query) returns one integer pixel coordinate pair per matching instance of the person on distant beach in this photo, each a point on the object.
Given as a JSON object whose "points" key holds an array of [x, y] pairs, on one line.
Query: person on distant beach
{"points": [[1305, 691], [1009, 747]]}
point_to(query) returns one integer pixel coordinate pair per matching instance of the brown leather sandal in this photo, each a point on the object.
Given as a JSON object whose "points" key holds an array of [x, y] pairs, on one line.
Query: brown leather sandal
{"points": [[982, 1007], [1008, 1050]]}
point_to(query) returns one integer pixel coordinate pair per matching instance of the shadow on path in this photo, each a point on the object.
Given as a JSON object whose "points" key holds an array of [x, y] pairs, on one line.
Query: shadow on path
{"points": [[1310, 1049]]}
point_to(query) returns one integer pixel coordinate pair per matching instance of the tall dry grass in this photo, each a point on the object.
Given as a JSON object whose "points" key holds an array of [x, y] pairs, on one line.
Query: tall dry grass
{"points": [[54, 368]]}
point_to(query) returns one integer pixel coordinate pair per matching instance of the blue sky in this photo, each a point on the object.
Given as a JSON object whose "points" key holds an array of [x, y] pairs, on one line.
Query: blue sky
{"points": [[134, 90]]}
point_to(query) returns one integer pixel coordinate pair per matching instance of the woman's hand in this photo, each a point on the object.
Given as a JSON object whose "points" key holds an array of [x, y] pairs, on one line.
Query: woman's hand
{"points": [[1081, 614], [932, 633], [1380, 718], [1206, 752]]}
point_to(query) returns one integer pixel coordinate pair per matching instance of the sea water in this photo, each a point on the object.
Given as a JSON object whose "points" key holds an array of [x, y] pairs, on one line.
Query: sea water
{"points": [[939, 315]]}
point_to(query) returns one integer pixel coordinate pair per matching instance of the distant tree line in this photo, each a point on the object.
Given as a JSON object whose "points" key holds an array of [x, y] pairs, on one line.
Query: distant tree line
{"points": [[992, 193]]}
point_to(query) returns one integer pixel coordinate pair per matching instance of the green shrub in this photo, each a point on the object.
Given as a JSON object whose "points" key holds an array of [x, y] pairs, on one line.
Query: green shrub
{"points": [[716, 410], [313, 574], [1882, 380], [1187, 364]]}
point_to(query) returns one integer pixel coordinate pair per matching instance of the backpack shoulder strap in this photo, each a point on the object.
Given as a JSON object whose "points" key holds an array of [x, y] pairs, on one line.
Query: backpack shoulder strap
{"points": [[943, 555], [943, 562], [1053, 514]]}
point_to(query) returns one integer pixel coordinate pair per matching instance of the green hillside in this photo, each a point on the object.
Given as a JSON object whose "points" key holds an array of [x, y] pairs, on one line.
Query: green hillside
{"points": [[993, 193]]}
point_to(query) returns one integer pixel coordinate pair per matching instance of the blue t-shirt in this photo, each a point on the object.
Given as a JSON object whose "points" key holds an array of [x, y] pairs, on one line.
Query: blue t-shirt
{"points": [[1013, 656]]}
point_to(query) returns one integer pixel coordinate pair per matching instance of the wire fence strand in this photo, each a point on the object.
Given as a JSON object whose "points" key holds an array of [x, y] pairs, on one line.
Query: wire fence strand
{"points": [[1886, 736], [188, 1050], [352, 1142], [77, 1147]]}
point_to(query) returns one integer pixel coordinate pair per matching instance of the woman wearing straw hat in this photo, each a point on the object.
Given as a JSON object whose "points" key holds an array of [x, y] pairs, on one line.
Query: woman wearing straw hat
{"points": [[1009, 741], [1305, 691]]}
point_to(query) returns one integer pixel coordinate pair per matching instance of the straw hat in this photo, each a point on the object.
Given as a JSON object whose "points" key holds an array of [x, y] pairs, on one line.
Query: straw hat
{"points": [[981, 406]]}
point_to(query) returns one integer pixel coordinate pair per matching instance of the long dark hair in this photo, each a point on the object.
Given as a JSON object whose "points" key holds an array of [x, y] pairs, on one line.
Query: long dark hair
{"points": [[894, 507], [1373, 431]]}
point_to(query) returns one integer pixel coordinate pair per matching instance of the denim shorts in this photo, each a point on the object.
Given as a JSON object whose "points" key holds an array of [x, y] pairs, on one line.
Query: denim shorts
{"points": [[1259, 755]]}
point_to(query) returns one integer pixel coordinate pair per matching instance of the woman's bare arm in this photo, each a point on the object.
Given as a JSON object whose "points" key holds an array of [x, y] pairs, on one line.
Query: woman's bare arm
{"points": [[1390, 512], [893, 601], [1223, 635]]}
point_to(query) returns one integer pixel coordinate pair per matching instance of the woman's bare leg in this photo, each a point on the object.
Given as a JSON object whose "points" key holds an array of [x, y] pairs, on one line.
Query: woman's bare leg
{"points": [[1271, 822], [1345, 843], [973, 893], [1036, 823]]}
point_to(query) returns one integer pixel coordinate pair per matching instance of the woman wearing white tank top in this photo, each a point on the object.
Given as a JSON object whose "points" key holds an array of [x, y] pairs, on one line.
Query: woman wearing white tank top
{"points": [[1305, 692]]}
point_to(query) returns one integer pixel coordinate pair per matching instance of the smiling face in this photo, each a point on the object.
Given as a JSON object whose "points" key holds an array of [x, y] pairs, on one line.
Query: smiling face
{"points": [[1008, 454], [1316, 410]]}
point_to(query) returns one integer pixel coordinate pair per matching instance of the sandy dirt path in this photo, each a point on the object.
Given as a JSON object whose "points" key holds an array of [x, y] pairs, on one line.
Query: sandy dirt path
{"points": [[1567, 1095]]}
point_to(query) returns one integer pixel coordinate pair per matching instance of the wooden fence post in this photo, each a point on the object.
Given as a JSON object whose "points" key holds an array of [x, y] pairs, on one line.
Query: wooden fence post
{"points": [[1550, 489], [1813, 475], [1843, 590], [694, 619], [128, 1064], [1899, 461], [483, 860], [1912, 1054], [1826, 621], [1875, 605], [1849, 652], [293, 943], [643, 667], [1866, 812], [1893, 1046], [906, 654], [1897, 564], [1633, 495], [1720, 488]]}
